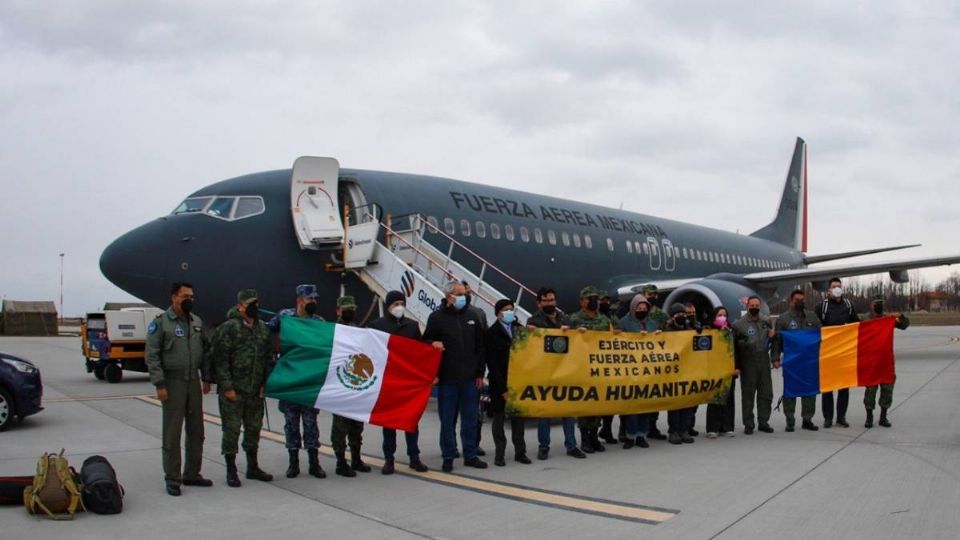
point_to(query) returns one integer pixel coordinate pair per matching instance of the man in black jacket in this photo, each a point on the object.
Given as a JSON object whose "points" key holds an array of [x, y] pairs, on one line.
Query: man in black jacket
{"points": [[496, 346], [458, 333], [834, 311], [396, 324]]}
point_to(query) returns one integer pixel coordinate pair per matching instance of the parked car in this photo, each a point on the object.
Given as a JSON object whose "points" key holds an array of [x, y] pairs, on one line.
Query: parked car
{"points": [[20, 389]]}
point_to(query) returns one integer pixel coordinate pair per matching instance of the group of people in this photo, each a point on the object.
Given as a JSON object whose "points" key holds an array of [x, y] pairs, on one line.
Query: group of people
{"points": [[183, 364]]}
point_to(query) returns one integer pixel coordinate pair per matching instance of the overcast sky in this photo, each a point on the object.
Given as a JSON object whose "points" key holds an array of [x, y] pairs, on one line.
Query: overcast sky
{"points": [[113, 111]]}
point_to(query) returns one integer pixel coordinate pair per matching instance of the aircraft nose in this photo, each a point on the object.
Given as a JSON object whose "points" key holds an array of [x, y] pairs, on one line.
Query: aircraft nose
{"points": [[135, 262]]}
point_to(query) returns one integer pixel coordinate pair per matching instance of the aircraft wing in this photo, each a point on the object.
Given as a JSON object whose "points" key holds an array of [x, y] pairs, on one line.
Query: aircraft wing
{"points": [[822, 273]]}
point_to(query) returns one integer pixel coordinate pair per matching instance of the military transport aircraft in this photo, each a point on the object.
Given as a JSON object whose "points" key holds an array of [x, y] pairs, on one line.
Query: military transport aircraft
{"points": [[316, 223]]}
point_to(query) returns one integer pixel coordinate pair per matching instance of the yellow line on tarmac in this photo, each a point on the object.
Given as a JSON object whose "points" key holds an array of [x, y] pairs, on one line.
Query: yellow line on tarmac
{"points": [[577, 503], [89, 398]]}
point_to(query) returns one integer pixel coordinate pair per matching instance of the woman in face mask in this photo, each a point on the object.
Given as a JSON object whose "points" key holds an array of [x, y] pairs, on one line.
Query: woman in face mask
{"points": [[497, 342], [720, 416]]}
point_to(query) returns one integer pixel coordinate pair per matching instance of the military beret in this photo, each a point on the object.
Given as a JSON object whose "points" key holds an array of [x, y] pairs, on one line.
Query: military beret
{"points": [[346, 302], [878, 298], [307, 290], [649, 287], [246, 296]]}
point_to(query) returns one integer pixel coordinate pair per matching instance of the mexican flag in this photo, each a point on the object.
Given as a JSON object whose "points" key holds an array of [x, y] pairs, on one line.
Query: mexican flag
{"points": [[359, 373]]}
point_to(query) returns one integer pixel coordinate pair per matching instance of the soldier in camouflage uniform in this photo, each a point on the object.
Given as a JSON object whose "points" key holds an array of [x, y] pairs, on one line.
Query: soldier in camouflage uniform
{"points": [[886, 389], [589, 318], [295, 413], [751, 335], [241, 355], [796, 318], [176, 361], [345, 428], [659, 318]]}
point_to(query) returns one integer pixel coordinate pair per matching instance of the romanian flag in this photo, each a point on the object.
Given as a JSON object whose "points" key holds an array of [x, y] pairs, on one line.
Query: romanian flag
{"points": [[824, 359], [359, 373]]}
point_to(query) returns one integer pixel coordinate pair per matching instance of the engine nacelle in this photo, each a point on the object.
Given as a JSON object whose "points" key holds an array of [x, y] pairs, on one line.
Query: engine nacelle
{"points": [[900, 276], [710, 293]]}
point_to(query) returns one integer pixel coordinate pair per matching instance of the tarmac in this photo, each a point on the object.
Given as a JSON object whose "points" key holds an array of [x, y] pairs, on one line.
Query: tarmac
{"points": [[899, 482]]}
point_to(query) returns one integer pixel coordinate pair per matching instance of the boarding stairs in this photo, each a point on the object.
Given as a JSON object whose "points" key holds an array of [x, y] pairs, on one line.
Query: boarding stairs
{"points": [[407, 262]]}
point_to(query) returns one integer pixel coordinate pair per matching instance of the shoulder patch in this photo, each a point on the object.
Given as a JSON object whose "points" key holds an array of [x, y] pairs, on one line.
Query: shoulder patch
{"points": [[152, 327]]}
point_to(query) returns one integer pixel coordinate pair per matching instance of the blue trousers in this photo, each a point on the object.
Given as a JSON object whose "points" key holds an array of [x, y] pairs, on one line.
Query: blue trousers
{"points": [[569, 433], [465, 398], [390, 443], [638, 425], [293, 414]]}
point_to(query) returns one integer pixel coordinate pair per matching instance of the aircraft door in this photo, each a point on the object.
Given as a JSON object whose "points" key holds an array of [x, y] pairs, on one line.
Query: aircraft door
{"points": [[654, 247], [313, 202], [669, 257]]}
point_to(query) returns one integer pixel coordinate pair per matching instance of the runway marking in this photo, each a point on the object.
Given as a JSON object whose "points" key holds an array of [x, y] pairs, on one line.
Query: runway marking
{"points": [[91, 398], [565, 501]]}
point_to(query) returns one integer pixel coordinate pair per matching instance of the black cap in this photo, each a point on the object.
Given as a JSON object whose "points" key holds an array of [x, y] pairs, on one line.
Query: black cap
{"points": [[394, 296]]}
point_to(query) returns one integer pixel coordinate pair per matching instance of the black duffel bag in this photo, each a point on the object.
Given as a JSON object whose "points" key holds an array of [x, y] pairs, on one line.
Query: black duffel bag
{"points": [[102, 493]]}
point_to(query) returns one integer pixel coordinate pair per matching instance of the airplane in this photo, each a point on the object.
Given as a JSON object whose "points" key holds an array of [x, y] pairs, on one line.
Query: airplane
{"points": [[274, 230]]}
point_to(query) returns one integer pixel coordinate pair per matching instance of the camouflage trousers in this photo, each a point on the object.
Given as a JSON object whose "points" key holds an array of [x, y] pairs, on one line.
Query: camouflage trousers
{"points": [[808, 406], [293, 415], [246, 411], [886, 396], [344, 428]]}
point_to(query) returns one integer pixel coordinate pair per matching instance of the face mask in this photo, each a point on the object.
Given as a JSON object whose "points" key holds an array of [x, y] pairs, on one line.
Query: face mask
{"points": [[680, 321], [549, 310], [252, 310], [837, 292], [641, 315], [397, 311], [460, 302], [592, 304], [347, 315], [604, 308], [754, 311], [310, 308], [799, 305], [186, 306], [720, 321], [878, 308], [508, 316]]}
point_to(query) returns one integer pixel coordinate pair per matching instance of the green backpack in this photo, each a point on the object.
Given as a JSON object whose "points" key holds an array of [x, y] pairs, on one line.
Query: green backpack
{"points": [[55, 490]]}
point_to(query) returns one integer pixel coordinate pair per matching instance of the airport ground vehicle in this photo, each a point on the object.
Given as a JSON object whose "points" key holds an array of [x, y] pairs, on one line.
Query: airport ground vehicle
{"points": [[114, 341], [21, 390]]}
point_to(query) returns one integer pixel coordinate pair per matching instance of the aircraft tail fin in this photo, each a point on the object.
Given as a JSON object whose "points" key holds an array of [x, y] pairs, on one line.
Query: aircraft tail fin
{"points": [[789, 226]]}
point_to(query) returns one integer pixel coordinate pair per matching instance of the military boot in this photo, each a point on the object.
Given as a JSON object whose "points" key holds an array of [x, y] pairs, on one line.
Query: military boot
{"points": [[606, 432], [356, 462], [869, 422], [388, 466], [883, 418], [622, 432], [585, 443], [254, 472], [314, 460], [343, 468], [232, 479], [595, 439], [294, 468]]}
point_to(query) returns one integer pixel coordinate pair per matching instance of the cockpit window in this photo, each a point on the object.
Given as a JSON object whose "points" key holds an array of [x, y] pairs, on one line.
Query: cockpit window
{"points": [[195, 204], [248, 206], [221, 207]]}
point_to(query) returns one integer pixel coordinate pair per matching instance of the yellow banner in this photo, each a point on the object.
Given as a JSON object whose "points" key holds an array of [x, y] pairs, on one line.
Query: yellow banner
{"points": [[556, 373]]}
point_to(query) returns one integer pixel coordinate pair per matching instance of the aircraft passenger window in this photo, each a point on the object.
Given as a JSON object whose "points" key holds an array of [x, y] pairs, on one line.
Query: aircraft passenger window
{"points": [[481, 230], [433, 226], [552, 237], [537, 235], [508, 232], [448, 226], [587, 241], [221, 207], [629, 246], [637, 245], [524, 234], [684, 253], [195, 204], [566, 238], [610, 244], [464, 227], [576, 240], [495, 231], [248, 206]]}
